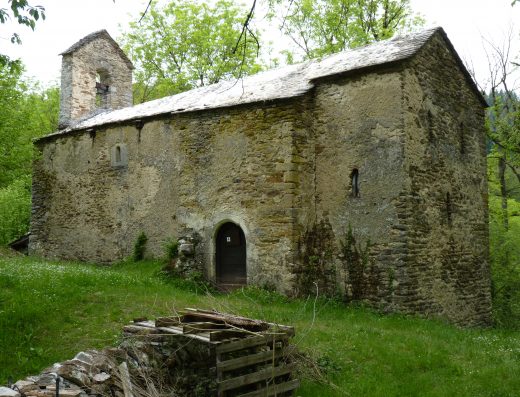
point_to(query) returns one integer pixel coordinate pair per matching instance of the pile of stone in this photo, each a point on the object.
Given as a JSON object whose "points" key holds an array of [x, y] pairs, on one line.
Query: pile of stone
{"points": [[196, 353], [90, 373]]}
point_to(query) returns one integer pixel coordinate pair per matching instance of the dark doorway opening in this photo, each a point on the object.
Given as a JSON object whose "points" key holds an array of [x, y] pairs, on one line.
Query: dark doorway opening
{"points": [[231, 255]]}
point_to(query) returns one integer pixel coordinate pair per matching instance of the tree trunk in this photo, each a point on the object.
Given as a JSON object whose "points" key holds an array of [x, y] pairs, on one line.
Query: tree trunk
{"points": [[503, 190]]}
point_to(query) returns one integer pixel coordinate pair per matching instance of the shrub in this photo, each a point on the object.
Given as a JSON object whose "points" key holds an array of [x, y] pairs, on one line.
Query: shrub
{"points": [[172, 249], [15, 210], [140, 247]]}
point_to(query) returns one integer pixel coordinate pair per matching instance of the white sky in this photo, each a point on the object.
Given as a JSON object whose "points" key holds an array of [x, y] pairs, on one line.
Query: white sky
{"points": [[465, 22]]}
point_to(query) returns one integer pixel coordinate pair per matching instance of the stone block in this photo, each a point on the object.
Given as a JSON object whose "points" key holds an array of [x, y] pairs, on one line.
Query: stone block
{"points": [[24, 386], [7, 392]]}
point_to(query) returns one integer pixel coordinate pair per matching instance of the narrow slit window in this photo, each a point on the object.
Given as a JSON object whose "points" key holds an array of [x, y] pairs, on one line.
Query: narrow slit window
{"points": [[118, 154], [431, 136], [462, 138], [449, 209], [354, 181]]}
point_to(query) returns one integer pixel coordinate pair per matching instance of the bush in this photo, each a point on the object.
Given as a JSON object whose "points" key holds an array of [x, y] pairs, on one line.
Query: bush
{"points": [[172, 249], [15, 210], [140, 247]]}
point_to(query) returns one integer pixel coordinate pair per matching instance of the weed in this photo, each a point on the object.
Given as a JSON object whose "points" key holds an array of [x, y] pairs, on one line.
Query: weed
{"points": [[356, 260], [261, 295], [317, 261], [171, 248], [140, 247], [328, 365]]}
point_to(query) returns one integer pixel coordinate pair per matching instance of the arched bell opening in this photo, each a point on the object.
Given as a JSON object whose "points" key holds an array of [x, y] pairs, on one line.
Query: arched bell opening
{"points": [[102, 89]]}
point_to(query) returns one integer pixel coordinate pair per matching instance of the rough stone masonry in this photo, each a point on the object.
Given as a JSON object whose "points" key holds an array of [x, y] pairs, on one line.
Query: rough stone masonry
{"points": [[363, 174]]}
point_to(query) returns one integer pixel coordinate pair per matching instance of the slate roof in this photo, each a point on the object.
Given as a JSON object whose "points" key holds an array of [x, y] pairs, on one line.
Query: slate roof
{"points": [[285, 82]]}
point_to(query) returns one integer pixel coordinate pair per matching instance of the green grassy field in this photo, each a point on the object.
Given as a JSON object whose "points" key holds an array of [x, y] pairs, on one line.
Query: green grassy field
{"points": [[50, 311]]}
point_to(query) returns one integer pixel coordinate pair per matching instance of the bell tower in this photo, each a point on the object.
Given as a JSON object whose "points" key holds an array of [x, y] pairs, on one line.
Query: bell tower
{"points": [[96, 76]]}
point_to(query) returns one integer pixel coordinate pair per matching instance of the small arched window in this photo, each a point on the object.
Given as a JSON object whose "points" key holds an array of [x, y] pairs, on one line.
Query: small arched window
{"points": [[119, 156], [354, 182]]}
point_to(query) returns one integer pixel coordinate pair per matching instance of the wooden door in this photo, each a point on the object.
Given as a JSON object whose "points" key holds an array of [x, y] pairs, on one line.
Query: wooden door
{"points": [[231, 255]]}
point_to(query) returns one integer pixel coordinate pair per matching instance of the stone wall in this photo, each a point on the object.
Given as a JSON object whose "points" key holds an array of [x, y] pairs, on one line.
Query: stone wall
{"points": [[188, 173], [414, 238], [78, 80], [444, 205], [359, 126]]}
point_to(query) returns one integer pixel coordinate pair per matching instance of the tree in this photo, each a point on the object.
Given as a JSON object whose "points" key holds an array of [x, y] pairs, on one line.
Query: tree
{"points": [[24, 14], [28, 111], [503, 124], [185, 45], [317, 27], [322, 27], [503, 117]]}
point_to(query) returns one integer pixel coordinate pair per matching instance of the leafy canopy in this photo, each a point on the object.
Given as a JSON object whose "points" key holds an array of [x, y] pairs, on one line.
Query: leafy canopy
{"points": [[323, 27], [23, 13], [185, 45], [28, 111]]}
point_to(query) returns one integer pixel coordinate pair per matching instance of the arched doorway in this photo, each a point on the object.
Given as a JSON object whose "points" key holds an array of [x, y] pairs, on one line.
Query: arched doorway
{"points": [[231, 255]]}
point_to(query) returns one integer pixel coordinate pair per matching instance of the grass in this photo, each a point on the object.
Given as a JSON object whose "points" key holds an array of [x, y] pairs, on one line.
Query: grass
{"points": [[50, 311]]}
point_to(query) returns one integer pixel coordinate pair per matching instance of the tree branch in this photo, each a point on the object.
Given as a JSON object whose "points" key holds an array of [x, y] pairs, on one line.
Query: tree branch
{"points": [[245, 26], [145, 11]]}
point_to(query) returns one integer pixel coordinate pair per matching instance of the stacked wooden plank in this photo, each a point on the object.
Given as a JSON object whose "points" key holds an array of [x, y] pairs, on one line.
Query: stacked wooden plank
{"points": [[250, 357]]}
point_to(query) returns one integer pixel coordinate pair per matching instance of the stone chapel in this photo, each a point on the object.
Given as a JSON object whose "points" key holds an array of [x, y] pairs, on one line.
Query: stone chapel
{"points": [[362, 174]]}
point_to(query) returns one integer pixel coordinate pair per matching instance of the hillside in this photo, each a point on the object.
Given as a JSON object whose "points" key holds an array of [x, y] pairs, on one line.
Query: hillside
{"points": [[49, 311]]}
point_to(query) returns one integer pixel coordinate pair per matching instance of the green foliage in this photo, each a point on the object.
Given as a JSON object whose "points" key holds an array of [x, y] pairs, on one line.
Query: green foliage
{"points": [[15, 210], [140, 247], [15, 154], [24, 14], [43, 105], [356, 260], [28, 111], [194, 283], [261, 295], [505, 262], [323, 27], [316, 272], [50, 311], [172, 249], [185, 45], [503, 124]]}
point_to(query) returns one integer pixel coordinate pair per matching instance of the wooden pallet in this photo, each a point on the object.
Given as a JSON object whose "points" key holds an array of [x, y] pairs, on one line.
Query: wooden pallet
{"points": [[251, 357], [255, 366]]}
